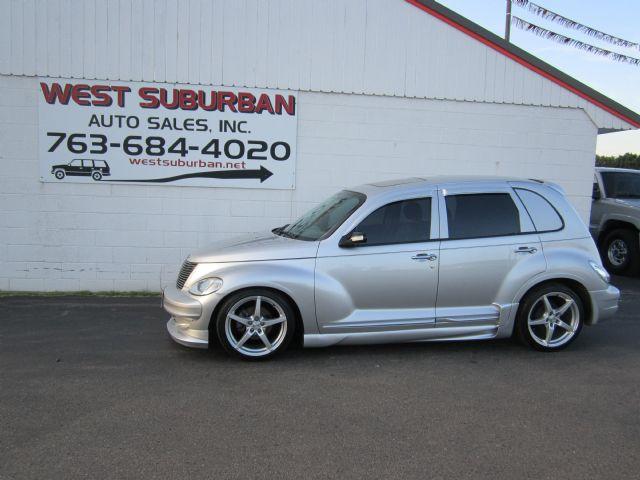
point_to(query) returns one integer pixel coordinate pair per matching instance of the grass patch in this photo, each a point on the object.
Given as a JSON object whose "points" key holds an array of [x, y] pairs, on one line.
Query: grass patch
{"points": [[80, 293]]}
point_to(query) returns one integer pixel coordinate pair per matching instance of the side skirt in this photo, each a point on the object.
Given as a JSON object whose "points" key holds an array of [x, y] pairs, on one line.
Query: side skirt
{"points": [[401, 336], [447, 330]]}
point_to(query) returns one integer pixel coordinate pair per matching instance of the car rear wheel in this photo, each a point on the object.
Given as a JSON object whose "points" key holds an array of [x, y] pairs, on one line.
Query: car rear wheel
{"points": [[620, 252], [550, 317], [96, 176], [255, 324], [59, 174]]}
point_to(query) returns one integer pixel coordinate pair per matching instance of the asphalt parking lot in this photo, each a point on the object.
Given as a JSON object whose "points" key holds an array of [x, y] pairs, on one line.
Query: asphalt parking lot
{"points": [[93, 388]]}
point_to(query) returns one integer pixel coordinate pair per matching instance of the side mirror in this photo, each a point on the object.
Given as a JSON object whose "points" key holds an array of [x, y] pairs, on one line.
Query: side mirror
{"points": [[596, 194], [352, 239]]}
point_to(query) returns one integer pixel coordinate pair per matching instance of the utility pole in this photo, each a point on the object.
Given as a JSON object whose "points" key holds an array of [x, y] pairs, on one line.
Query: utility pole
{"points": [[507, 26]]}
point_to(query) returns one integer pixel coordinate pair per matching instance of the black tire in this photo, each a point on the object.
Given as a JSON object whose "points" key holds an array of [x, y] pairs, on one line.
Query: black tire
{"points": [[617, 263], [97, 176], [59, 174], [236, 330], [532, 304]]}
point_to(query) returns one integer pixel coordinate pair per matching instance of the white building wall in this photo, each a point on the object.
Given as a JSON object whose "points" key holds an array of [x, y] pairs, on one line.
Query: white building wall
{"points": [[130, 237], [378, 47]]}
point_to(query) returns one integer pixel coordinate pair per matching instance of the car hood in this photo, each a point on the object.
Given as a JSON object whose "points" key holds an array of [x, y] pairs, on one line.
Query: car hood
{"points": [[259, 247], [631, 202]]}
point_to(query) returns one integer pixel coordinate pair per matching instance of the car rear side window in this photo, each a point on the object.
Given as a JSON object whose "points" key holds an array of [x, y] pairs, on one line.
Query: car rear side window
{"points": [[407, 221], [544, 216], [482, 215]]}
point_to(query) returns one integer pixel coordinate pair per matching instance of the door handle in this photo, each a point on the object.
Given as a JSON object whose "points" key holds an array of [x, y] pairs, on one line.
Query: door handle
{"points": [[424, 256], [526, 250]]}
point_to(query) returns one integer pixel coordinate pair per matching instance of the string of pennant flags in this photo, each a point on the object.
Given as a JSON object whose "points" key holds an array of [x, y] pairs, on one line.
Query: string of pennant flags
{"points": [[551, 35], [547, 14], [569, 23]]}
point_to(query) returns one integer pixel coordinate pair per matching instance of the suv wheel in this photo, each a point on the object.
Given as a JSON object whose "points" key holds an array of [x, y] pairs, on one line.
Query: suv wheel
{"points": [[96, 176], [59, 174], [255, 324], [620, 252], [550, 317]]}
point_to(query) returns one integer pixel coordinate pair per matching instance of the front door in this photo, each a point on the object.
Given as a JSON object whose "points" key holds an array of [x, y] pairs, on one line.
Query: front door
{"points": [[389, 282], [74, 168], [489, 248]]}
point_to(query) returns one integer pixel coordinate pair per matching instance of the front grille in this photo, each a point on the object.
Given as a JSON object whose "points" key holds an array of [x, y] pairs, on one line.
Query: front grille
{"points": [[185, 271]]}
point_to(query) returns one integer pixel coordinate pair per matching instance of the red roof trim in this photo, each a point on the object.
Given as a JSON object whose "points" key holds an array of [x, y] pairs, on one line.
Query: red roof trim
{"points": [[522, 61]]}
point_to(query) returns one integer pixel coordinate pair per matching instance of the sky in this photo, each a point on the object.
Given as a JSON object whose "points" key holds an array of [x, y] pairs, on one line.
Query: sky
{"points": [[619, 81]]}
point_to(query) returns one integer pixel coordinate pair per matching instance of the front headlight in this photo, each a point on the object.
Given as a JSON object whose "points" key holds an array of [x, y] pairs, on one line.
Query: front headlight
{"points": [[206, 286], [599, 269]]}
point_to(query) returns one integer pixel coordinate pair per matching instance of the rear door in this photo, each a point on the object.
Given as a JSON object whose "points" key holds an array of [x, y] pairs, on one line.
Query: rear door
{"points": [[87, 167], [489, 249]]}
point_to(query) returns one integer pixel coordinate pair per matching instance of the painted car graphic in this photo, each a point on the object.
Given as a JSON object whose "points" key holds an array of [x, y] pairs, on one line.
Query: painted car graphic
{"points": [[82, 167]]}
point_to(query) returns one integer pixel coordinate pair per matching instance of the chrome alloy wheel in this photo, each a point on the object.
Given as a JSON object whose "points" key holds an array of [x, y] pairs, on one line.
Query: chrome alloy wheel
{"points": [[553, 319], [256, 326], [617, 252]]}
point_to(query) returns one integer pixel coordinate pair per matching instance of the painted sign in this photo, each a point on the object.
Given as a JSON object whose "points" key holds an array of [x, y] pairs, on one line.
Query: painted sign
{"points": [[166, 134]]}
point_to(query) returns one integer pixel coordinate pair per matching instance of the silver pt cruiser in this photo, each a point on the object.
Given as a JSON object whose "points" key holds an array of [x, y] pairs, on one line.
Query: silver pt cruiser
{"points": [[421, 259]]}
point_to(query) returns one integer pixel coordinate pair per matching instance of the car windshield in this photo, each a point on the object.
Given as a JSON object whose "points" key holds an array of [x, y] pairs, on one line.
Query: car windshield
{"points": [[323, 219], [621, 184]]}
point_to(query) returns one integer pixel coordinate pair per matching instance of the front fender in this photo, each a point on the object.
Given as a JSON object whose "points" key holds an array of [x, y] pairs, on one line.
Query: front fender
{"points": [[292, 277]]}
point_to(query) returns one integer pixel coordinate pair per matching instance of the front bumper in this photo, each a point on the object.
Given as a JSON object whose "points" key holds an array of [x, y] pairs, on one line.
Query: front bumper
{"points": [[181, 336], [186, 325], [604, 303]]}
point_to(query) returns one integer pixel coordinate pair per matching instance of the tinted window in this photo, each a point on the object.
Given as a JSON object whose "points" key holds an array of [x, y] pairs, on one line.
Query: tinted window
{"points": [[621, 184], [323, 219], [544, 216], [407, 221], [482, 215]]}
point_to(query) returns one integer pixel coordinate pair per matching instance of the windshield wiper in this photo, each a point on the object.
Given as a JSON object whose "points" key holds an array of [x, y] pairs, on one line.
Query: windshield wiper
{"points": [[282, 232]]}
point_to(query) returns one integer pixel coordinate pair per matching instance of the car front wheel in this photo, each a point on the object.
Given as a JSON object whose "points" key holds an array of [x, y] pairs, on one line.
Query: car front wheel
{"points": [[255, 324], [620, 252], [550, 317]]}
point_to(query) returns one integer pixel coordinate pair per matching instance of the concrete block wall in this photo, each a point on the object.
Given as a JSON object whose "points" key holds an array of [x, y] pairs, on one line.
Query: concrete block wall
{"points": [[130, 237]]}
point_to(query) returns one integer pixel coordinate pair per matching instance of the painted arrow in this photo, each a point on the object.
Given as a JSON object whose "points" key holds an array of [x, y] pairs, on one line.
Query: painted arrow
{"points": [[261, 174]]}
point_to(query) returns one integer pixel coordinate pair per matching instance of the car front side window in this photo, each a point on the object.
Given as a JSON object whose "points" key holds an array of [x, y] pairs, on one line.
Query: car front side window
{"points": [[621, 184], [406, 221]]}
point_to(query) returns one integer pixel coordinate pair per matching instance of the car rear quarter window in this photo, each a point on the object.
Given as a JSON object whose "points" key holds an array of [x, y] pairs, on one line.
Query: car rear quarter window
{"points": [[544, 216], [482, 215], [407, 221]]}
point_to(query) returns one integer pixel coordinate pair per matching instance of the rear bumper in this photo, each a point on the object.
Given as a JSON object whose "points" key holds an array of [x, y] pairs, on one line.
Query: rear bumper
{"points": [[185, 326], [604, 303]]}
